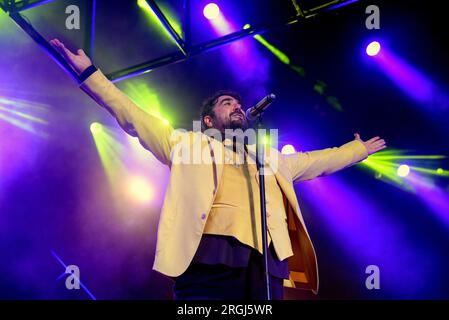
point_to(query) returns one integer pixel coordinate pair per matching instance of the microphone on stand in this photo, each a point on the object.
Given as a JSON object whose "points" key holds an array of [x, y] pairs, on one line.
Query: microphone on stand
{"points": [[254, 112]]}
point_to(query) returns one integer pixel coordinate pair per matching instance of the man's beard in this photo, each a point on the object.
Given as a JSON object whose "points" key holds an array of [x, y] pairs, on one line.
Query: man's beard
{"points": [[240, 123], [234, 125]]}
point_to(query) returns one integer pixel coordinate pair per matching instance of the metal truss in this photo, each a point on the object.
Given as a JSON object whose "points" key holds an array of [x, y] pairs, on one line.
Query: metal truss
{"points": [[185, 48]]}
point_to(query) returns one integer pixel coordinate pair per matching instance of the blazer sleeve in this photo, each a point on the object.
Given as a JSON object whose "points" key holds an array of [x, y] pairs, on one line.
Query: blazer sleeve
{"points": [[153, 133], [308, 165]]}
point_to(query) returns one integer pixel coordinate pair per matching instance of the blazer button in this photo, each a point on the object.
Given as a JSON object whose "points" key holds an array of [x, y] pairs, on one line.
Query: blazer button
{"points": [[203, 216]]}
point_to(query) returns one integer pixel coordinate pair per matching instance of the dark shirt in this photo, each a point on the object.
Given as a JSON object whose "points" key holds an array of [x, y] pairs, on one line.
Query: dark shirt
{"points": [[218, 249]]}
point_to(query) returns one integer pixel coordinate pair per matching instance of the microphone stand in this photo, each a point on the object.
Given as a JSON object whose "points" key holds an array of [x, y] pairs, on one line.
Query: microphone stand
{"points": [[260, 159]]}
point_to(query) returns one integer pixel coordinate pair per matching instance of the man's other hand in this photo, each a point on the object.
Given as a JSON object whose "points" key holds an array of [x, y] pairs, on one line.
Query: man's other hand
{"points": [[79, 61], [373, 145]]}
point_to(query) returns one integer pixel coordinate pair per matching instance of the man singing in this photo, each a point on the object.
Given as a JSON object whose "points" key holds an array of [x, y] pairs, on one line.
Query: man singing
{"points": [[209, 237]]}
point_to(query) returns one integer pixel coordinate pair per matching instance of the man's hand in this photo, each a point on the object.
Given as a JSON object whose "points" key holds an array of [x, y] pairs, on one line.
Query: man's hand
{"points": [[79, 62], [373, 145]]}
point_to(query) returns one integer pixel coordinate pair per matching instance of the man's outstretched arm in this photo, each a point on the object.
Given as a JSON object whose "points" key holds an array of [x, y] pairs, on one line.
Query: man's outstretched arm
{"points": [[152, 132], [308, 165]]}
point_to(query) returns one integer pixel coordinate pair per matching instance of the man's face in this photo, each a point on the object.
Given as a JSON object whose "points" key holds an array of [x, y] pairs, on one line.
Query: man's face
{"points": [[228, 115]]}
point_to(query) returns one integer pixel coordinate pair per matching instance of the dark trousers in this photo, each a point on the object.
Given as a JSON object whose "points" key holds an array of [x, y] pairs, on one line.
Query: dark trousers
{"points": [[221, 282]]}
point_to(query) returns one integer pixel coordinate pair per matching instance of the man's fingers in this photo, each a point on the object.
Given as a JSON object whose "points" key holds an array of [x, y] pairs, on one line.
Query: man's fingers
{"points": [[379, 146], [80, 52], [58, 46], [375, 149], [66, 53], [376, 146], [373, 139], [378, 142]]}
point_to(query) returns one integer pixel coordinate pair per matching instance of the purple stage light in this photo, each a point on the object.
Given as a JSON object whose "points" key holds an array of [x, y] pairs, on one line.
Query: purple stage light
{"points": [[373, 49], [211, 11]]}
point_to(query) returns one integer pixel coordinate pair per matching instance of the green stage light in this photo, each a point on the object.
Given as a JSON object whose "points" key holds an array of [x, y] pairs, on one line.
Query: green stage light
{"points": [[147, 99], [266, 140], [386, 165], [278, 53], [143, 4], [171, 17], [438, 172], [382, 169], [95, 128], [110, 150]]}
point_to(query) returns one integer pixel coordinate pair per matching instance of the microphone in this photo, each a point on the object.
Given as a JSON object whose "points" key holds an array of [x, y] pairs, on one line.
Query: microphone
{"points": [[253, 112]]}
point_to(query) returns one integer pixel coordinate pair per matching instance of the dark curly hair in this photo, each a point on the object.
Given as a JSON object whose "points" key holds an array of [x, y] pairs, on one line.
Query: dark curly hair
{"points": [[207, 108]]}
